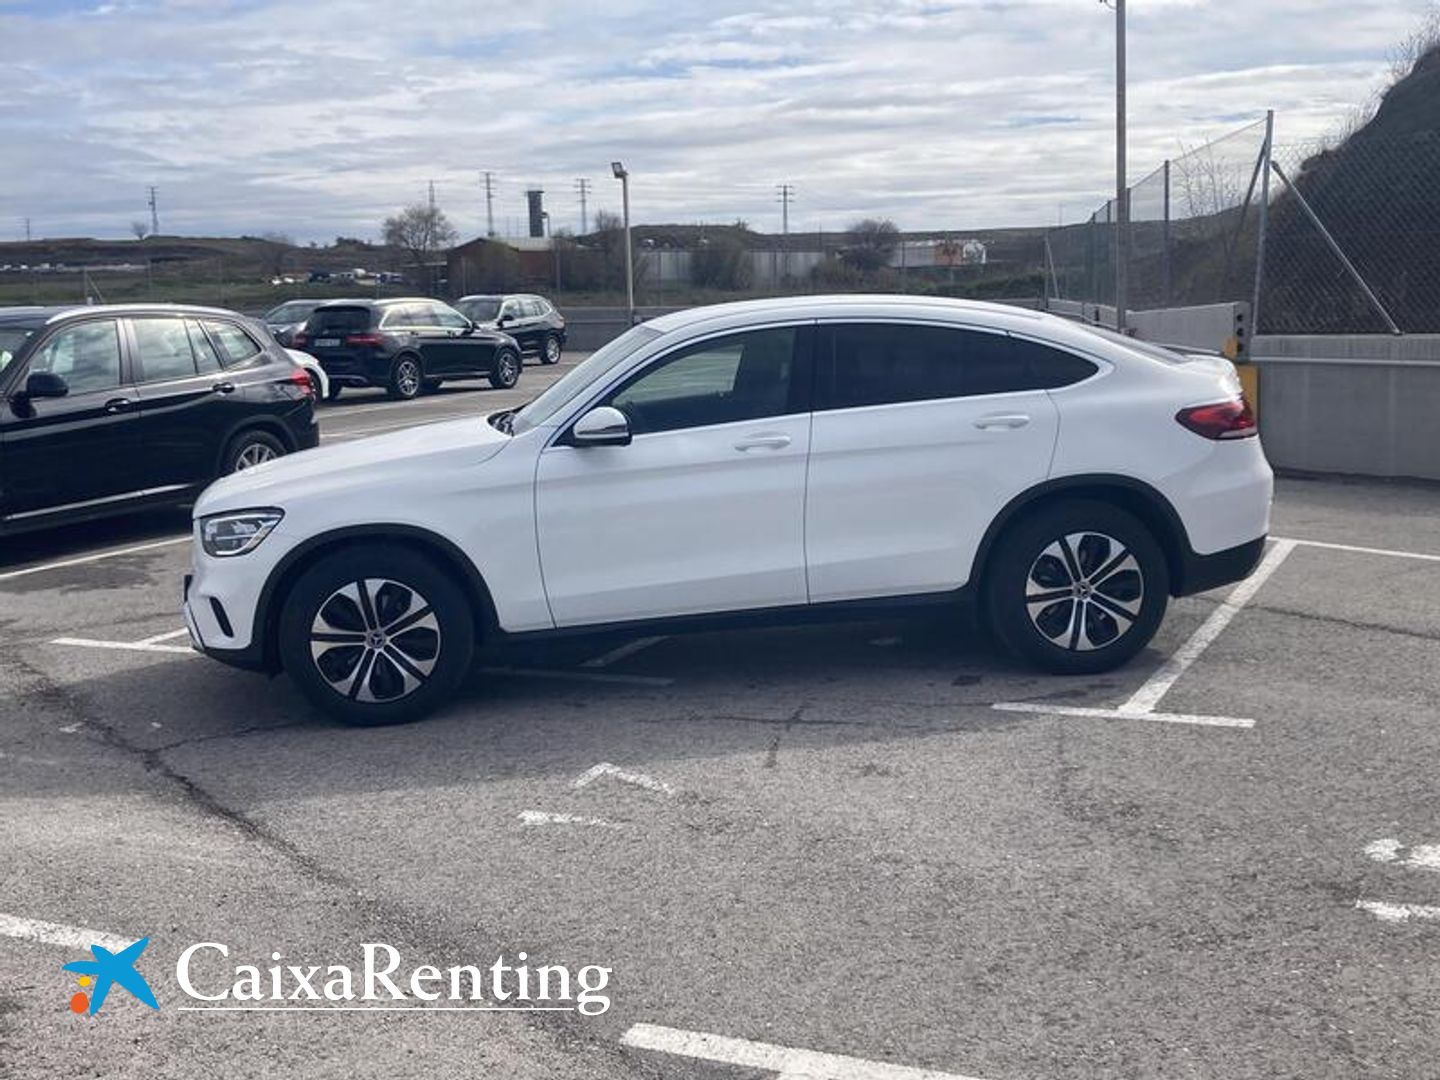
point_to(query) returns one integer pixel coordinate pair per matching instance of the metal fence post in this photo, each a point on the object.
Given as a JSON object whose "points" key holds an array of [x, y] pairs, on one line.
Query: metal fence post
{"points": [[1165, 237], [1266, 152]]}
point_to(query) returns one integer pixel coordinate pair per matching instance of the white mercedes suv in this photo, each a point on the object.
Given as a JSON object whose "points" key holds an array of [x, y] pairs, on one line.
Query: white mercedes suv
{"points": [[772, 459]]}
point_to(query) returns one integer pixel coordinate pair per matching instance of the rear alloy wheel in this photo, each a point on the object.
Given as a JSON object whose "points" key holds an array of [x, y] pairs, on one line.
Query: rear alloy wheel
{"points": [[550, 351], [251, 448], [1078, 587], [506, 372], [376, 635], [406, 378]]}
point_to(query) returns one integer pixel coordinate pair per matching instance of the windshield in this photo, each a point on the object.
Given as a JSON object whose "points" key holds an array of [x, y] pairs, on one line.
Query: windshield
{"points": [[288, 313], [483, 310], [580, 378], [11, 339]]}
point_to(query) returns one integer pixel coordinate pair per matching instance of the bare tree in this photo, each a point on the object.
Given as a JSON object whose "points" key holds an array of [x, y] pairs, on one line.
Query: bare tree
{"points": [[141, 229], [420, 230], [1415, 45], [870, 243]]}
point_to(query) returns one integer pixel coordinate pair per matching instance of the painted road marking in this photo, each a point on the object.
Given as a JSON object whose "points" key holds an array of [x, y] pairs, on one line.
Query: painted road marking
{"points": [[83, 559], [169, 635], [128, 646], [630, 648], [791, 1064], [1420, 857], [635, 779], [1141, 705], [1391, 552], [1397, 913], [544, 817], [70, 937]]}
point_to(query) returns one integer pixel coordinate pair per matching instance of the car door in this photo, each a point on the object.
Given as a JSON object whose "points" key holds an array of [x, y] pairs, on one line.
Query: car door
{"points": [[439, 346], [187, 403], [511, 320], [922, 433], [704, 509], [469, 352], [68, 452]]}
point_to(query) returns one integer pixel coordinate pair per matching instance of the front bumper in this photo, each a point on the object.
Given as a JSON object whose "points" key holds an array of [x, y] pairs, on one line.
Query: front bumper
{"points": [[250, 658]]}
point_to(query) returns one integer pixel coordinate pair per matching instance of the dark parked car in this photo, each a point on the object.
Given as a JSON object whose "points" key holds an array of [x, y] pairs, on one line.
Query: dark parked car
{"points": [[405, 345], [105, 409], [284, 319], [530, 320]]}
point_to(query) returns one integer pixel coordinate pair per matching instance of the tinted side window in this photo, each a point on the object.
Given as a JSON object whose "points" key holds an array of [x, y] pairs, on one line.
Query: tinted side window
{"points": [[725, 380], [441, 315], [164, 348], [206, 358], [534, 308], [1050, 367], [87, 356], [235, 345]]}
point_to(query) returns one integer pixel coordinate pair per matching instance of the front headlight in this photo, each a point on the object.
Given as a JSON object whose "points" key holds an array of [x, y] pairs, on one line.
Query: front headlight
{"points": [[239, 532]]}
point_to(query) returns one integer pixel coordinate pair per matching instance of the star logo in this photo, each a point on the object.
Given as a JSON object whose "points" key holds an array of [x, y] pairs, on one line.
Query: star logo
{"points": [[107, 969]]}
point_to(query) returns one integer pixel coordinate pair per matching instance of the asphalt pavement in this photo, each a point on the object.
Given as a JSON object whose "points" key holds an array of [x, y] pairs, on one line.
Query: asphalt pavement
{"points": [[803, 852]]}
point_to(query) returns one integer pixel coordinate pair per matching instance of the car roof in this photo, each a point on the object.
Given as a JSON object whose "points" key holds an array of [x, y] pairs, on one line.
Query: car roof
{"points": [[388, 301], [56, 312], [867, 305]]}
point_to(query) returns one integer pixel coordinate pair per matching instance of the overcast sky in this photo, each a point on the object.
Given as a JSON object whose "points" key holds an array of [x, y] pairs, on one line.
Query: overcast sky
{"points": [[319, 117]]}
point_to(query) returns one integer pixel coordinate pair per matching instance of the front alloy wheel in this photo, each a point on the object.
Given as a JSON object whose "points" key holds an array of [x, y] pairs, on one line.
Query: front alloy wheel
{"points": [[375, 640], [377, 634]]}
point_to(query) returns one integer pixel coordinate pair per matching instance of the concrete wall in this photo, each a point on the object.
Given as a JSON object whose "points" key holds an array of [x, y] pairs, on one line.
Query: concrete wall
{"points": [[1366, 405]]}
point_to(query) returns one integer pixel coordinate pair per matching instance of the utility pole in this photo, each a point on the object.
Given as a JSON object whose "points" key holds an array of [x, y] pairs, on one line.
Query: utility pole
{"points": [[582, 185], [787, 191], [1122, 192], [27, 230], [489, 203], [154, 214], [623, 175]]}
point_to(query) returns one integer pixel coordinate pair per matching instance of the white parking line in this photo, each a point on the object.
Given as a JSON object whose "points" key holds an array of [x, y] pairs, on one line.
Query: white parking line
{"points": [[544, 817], [70, 937], [83, 559], [1419, 857], [630, 648], [169, 635], [635, 779], [1391, 552], [1397, 913], [1141, 705], [125, 646], [791, 1064]]}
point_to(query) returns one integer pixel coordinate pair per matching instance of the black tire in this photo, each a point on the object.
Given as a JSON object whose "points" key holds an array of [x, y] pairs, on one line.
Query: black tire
{"points": [[1102, 582], [334, 393], [248, 449], [407, 376], [550, 349], [430, 386], [506, 372], [366, 684]]}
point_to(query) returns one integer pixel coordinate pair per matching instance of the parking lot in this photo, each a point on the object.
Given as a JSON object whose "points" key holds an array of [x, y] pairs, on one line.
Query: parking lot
{"points": [[867, 850]]}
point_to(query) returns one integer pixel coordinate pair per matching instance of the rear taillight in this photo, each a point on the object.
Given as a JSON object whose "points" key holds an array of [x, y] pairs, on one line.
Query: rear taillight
{"points": [[364, 339], [301, 378], [299, 339], [1223, 420]]}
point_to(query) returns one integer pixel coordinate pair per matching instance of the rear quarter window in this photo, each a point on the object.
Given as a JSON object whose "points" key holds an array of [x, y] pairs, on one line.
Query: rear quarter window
{"points": [[235, 345]]}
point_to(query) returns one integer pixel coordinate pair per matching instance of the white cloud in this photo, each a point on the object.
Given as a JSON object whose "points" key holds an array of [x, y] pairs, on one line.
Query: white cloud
{"points": [[320, 118]]}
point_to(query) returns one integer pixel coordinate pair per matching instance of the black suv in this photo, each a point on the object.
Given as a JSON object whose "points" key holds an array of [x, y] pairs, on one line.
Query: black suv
{"points": [[405, 345], [105, 409], [530, 320]]}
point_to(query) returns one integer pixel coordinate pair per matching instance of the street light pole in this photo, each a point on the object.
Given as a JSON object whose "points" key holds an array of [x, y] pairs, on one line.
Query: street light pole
{"points": [[1122, 193], [623, 175]]}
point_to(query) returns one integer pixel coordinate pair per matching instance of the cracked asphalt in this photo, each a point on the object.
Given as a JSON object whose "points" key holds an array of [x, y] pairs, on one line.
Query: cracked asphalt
{"points": [[856, 854]]}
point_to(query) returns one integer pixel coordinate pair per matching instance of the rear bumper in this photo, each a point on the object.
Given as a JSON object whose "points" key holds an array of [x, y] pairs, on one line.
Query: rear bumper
{"points": [[1201, 572]]}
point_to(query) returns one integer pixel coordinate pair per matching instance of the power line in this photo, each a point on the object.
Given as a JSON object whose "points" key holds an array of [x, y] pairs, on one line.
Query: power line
{"points": [[582, 185]]}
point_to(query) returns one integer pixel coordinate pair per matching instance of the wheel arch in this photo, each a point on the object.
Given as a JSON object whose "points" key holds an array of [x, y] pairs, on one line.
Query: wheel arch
{"points": [[446, 554], [1153, 509], [268, 425]]}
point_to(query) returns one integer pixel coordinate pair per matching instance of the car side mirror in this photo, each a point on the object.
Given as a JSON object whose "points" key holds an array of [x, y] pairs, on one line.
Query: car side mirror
{"points": [[46, 384], [503, 320], [604, 425]]}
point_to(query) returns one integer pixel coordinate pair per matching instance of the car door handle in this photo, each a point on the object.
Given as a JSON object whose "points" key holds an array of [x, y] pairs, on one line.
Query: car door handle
{"points": [[118, 405], [1002, 420], [223, 388], [768, 441]]}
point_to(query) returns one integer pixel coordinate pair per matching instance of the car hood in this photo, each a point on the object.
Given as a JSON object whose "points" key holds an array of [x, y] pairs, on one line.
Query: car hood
{"points": [[363, 465]]}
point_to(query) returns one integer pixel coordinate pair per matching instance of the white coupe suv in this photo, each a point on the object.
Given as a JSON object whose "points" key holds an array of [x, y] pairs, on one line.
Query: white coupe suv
{"points": [[770, 459]]}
